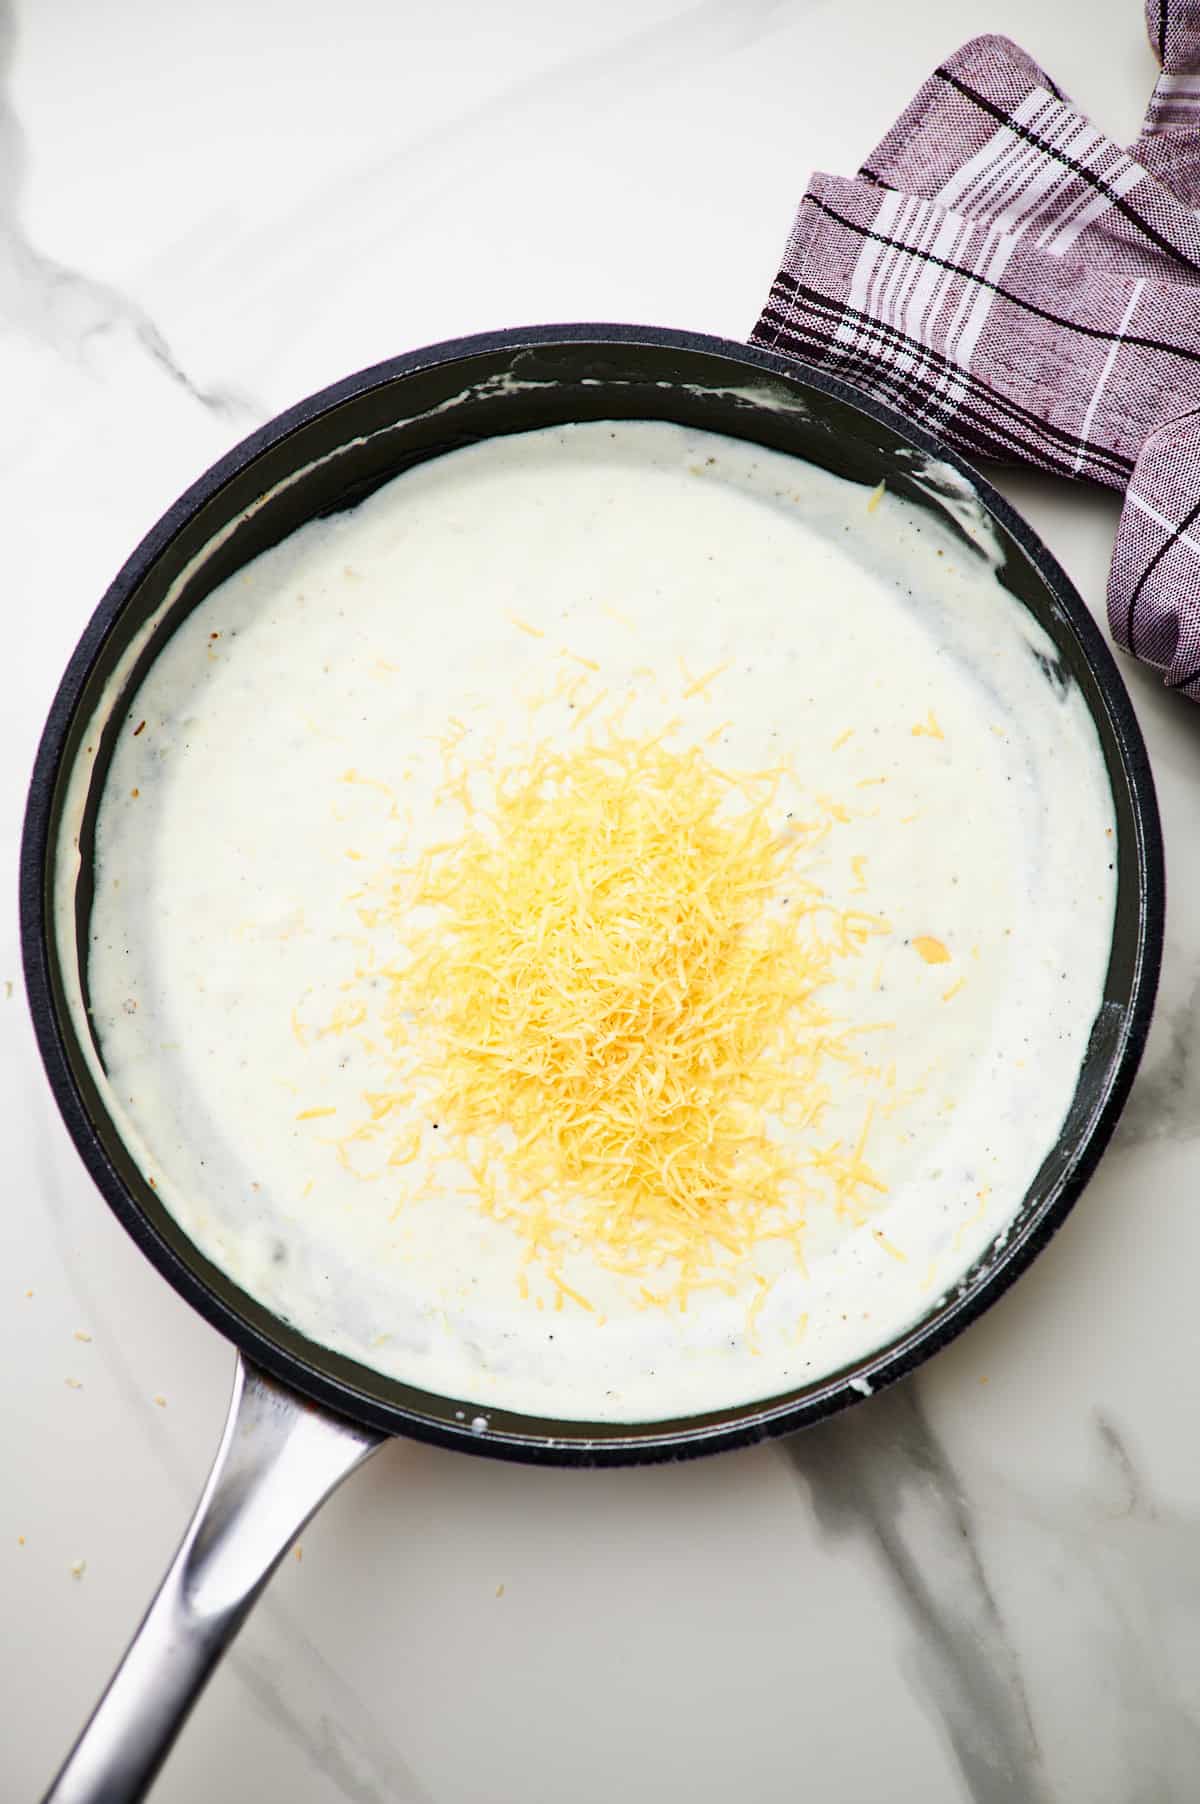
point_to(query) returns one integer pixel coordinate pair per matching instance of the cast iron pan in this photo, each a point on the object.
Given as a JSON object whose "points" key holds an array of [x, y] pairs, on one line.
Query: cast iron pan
{"points": [[323, 457]]}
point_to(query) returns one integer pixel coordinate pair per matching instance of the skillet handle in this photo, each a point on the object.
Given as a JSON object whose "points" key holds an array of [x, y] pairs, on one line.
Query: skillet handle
{"points": [[279, 1458]]}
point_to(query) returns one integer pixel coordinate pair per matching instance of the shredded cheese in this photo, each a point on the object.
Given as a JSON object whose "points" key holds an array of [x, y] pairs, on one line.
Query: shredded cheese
{"points": [[889, 1247], [928, 728], [614, 1004], [934, 952], [699, 685]]}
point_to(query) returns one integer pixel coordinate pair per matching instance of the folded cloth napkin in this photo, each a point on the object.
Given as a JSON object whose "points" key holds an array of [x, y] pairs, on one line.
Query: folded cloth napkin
{"points": [[1007, 275]]}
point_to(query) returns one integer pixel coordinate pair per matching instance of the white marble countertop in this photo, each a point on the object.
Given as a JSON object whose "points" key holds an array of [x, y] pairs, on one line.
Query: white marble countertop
{"points": [[983, 1585]]}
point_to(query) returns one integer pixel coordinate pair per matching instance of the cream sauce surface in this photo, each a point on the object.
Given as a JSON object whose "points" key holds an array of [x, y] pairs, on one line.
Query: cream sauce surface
{"points": [[877, 653]]}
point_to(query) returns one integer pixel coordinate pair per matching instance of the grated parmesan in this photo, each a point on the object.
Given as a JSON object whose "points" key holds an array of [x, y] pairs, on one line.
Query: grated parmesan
{"points": [[933, 951], [616, 1009]]}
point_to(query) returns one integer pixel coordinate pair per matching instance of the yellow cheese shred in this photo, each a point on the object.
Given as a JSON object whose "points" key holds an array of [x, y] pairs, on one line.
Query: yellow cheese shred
{"points": [[614, 999], [933, 951], [928, 728]]}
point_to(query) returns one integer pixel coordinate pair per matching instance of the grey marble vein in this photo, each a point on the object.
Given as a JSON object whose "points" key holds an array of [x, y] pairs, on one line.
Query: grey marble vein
{"points": [[1129, 1483], [47, 300], [1157, 1736], [334, 1727], [879, 1474], [418, 171], [1146, 1570], [356, 1772]]}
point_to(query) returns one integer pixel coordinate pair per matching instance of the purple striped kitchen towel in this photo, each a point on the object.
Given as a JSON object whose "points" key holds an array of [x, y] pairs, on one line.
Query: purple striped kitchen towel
{"points": [[1007, 275]]}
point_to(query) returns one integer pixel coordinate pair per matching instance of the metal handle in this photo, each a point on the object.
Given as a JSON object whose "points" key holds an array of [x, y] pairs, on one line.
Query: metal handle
{"points": [[279, 1459]]}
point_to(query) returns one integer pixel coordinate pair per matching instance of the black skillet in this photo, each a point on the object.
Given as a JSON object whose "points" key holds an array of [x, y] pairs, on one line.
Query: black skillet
{"points": [[303, 1416]]}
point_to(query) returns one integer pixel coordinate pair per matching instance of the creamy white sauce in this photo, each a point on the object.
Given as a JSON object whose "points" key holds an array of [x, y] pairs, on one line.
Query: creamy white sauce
{"points": [[223, 884]]}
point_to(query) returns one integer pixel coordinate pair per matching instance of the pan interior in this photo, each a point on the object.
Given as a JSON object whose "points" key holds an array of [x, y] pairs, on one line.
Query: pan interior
{"points": [[929, 514]]}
